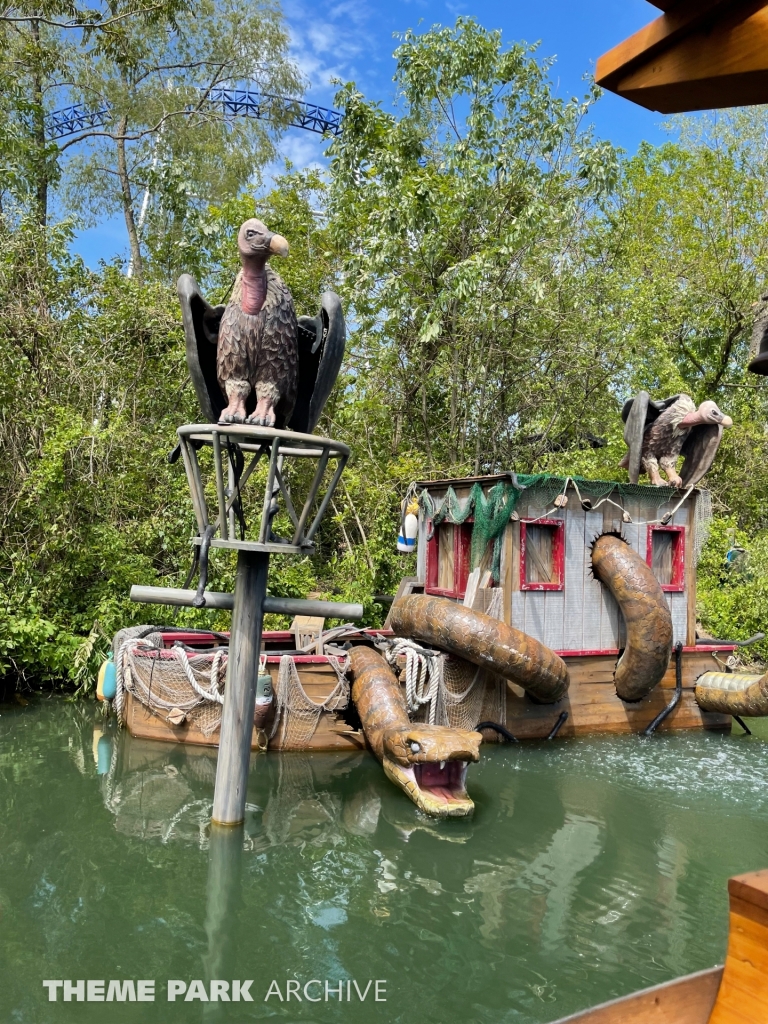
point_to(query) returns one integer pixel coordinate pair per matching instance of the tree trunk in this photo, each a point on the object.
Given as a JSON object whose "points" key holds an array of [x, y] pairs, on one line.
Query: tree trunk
{"points": [[136, 267], [480, 418], [41, 161]]}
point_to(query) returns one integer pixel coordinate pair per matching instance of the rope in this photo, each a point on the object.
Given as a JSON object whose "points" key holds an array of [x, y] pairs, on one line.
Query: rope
{"points": [[213, 694], [296, 714], [423, 675], [492, 513]]}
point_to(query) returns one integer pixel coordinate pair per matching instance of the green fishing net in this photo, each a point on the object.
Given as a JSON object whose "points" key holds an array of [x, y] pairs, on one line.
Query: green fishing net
{"points": [[492, 512]]}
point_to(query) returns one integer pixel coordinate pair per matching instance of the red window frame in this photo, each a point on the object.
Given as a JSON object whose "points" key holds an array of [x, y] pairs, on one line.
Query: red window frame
{"points": [[462, 545], [677, 585], [558, 553]]}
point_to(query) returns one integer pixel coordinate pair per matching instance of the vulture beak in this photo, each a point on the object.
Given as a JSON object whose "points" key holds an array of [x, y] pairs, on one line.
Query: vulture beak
{"points": [[726, 421], [278, 246]]}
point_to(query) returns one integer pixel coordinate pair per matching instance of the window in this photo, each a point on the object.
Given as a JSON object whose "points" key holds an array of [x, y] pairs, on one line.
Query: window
{"points": [[448, 558], [542, 555], [666, 556]]}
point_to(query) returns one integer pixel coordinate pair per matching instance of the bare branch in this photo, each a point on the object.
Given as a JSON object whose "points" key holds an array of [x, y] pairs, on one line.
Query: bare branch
{"points": [[10, 19]]}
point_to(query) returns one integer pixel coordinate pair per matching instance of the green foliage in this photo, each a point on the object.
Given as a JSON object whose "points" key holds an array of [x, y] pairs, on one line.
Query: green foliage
{"points": [[508, 282]]}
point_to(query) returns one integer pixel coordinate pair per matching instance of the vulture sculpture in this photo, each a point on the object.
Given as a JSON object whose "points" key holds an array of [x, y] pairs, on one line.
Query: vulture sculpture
{"points": [[658, 433], [254, 361]]}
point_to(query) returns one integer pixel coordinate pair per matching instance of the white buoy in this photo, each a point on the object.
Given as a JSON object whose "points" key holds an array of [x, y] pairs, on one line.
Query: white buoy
{"points": [[409, 527]]}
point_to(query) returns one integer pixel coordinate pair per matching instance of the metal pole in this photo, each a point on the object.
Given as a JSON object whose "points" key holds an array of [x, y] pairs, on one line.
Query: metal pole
{"points": [[270, 605], [240, 693]]}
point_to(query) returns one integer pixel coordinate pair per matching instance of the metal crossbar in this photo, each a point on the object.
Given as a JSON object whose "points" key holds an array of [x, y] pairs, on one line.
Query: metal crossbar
{"points": [[231, 102]]}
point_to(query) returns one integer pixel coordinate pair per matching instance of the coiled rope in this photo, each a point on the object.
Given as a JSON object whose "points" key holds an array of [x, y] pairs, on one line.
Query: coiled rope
{"points": [[423, 674]]}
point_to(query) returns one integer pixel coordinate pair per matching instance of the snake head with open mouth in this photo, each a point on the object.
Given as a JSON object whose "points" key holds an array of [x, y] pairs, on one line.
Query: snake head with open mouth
{"points": [[430, 763]]}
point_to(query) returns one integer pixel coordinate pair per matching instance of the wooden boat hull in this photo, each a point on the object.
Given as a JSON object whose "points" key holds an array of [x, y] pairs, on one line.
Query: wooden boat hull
{"points": [[687, 1000], [318, 679], [594, 708], [734, 994], [591, 703]]}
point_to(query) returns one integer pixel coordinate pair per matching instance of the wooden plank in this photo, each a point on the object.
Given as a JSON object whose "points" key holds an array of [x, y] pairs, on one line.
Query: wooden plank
{"points": [[527, 721], [687, 1000], [506, 570], [690, 572], [535, 613], [332, 732], [470, 593], [743, 994], [678, 607], [517, 609], [593, 591], [600, 668], [715, 66], [554, 621], [576, 568], [683, 19]]}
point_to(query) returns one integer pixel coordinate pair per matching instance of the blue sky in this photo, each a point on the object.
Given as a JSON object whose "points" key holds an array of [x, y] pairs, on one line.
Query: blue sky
{"points": [[353, 40]]}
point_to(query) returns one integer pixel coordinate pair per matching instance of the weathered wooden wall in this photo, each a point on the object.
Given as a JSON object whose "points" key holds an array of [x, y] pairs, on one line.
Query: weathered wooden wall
{"points": [[584, 616]]}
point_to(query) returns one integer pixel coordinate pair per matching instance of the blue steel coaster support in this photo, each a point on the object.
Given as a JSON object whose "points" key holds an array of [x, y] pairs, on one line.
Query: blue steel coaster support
{"points": [[231, 102]]}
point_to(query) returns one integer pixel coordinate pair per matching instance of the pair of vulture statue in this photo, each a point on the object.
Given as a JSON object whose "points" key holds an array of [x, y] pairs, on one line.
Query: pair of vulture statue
{"points": [[658, 433], [254, 361]]}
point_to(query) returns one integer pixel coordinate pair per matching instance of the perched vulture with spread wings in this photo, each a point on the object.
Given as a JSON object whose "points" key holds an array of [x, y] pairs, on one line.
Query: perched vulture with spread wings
{"points": [[658, 433], [253, 361]]}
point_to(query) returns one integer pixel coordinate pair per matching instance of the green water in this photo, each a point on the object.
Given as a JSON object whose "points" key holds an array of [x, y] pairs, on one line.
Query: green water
{"points": [[591, 868]]}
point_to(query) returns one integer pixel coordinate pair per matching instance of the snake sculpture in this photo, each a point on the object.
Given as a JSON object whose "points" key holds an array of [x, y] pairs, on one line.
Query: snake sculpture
{"points": [[428, 762]]}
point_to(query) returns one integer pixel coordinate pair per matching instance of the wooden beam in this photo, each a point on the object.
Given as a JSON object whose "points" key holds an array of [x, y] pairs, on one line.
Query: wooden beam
{"points": [[700, 54]]}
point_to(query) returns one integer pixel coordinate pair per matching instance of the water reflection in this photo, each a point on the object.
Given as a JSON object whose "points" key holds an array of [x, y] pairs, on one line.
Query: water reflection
{"points": [[222, 905], [589, 869]]}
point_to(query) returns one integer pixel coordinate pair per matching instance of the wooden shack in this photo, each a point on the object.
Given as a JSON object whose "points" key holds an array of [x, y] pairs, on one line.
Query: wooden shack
{"points": [[541, 560]]}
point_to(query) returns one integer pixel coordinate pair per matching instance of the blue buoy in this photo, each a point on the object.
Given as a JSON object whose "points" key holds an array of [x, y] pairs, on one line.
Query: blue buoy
{"points": [[107, 685]]}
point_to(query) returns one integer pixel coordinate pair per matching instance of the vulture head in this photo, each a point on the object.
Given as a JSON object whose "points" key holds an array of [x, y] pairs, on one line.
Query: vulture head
{"points": [[256, 242], [707, 414]]}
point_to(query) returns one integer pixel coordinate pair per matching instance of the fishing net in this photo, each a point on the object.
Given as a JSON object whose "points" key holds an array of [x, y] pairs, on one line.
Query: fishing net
{"points": [[170, 682], [296, 714], [491, 513]]}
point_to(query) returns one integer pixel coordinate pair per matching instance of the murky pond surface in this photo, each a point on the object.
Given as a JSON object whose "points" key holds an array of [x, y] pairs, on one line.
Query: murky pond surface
{"points": [[591, 868]]}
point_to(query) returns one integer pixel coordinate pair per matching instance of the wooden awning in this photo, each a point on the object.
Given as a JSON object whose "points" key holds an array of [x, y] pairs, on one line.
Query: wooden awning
{"points": [[699, 55]]}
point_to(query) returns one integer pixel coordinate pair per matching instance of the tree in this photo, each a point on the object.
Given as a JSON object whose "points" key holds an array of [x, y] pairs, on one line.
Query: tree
{"points": [[165, 133], [468, 272], [152, 73], [44, 49]]}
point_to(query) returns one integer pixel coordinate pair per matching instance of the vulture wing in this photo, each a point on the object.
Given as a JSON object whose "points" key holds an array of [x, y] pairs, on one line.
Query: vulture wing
{"points": [[638, 414], [321, 350], [699, 452], [635, 415], [201, 330]]}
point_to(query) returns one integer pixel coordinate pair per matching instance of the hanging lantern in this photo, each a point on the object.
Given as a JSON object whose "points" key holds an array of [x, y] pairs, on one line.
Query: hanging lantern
{"points": [[409, 527]]}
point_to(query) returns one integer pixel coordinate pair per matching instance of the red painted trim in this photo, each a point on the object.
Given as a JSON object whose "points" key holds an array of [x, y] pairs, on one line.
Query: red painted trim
{"points": [[558, 553], [462, 556], [613, 652], [677, 586]]}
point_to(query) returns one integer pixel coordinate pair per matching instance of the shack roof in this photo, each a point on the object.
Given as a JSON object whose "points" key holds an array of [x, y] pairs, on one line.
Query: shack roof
{"points": [[526, 481], [700, 54]]}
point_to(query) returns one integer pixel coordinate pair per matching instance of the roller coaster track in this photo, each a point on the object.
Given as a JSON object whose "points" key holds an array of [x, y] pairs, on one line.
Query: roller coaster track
{"points": [[229, 102]]}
